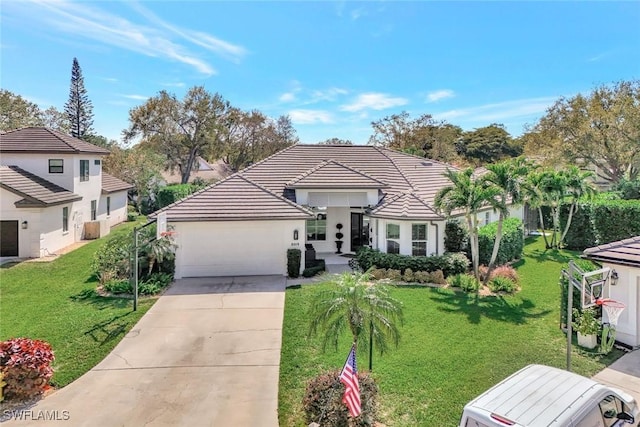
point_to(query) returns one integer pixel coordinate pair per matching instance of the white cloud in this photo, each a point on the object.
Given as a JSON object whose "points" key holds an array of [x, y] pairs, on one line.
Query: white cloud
{"points": [[497, 112], [287, 97], [374, 101], [136, 97], [291, 95], [327, 95], [305, 117], [438, 95], [357, 13], [89, 21]]}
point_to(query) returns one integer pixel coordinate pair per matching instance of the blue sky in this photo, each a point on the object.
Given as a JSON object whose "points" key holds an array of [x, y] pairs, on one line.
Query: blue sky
{"points": [[332, 66]]}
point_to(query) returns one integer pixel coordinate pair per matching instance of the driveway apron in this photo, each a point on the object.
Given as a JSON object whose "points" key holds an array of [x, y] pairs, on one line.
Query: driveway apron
{"points": [[206, 354]]}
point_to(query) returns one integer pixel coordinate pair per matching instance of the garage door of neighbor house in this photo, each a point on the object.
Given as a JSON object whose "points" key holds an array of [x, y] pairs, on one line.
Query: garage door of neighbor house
{"points": [[8, 238], [231, 248]]}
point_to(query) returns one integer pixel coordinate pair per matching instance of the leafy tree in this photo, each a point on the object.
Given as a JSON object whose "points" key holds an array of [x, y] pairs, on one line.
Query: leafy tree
{"points": [[361, 307], [79, 108], [468, 194], [488, 144], [601, 129], [55, 119], [183, 130], [336, 141], [17, 112], [423, 136], [509, 178]]}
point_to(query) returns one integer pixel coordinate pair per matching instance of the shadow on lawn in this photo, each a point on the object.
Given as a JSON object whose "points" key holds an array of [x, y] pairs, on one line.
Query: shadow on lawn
{"points": [[491, 307], [107, 330], [90, 296]]}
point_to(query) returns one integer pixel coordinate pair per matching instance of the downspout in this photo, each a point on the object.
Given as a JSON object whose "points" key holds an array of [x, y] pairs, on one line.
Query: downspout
{"points": [[437, 227]]}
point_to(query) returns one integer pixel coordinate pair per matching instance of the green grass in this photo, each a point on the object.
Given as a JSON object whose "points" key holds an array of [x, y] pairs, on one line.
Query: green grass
{"points": [[454, 345], [56, 302]]}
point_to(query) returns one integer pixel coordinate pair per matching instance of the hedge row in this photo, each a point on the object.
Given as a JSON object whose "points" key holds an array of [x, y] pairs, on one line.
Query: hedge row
{"points": [[173, 193], [511, 244], [450, 263], [600, 222]]}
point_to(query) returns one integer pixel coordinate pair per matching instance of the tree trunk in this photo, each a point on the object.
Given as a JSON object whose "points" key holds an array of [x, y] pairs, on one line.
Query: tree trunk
{"points": [[473, 240], [544, 235], [187, 169], [496, 248], [569, 218]]}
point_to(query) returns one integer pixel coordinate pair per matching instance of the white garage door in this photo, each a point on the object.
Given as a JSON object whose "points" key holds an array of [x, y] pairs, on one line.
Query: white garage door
{"points": [[233, 248]]}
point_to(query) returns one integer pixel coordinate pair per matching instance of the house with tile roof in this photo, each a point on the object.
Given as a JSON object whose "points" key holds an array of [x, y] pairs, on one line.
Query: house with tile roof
{"points": [[306, 194], [51, 185], [623, 258]]}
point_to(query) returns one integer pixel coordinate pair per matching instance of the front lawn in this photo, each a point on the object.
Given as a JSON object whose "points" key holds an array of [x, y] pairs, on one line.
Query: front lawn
{"points": [[56, 302], [454, 345]]}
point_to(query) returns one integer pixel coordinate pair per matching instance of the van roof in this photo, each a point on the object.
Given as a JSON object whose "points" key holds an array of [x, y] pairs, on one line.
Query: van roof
{"points": [[536, 395]]}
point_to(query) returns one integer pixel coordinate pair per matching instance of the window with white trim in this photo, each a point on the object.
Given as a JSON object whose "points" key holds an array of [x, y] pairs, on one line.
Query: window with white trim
{"points": [[108, 205], [65, 219], [94, 209], [419, 239], [317, 228], [84, 170], [393, 238]]}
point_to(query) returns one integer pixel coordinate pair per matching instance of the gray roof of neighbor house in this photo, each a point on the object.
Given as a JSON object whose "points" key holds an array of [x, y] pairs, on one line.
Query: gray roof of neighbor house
{"points": [[44, 140], [210, 172], [37, 192], [330, 166], [111, 184], [622, 252], [234, 199]]}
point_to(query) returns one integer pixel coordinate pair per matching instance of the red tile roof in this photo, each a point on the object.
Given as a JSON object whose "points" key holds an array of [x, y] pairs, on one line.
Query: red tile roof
{"points": [[623, 252], [111, 184], [37, 192], [43, 140]]}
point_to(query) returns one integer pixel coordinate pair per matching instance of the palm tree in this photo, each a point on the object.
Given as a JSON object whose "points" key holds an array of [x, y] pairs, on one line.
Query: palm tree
{"points": [[577, 186], [468, 195], [358, 305], [509, 178], [536, 199]]}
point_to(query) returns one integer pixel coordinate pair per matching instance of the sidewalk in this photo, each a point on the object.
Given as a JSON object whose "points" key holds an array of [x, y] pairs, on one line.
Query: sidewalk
{"points": [[624, 374]]}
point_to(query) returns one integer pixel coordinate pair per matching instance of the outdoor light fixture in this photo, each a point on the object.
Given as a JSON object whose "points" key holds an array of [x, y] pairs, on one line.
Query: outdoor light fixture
{"points": [[25, 224], [614, 277], [295, 234]]}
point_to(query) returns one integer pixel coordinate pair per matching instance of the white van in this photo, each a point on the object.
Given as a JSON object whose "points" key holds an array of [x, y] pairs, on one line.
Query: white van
{"points": [[538, 396]]}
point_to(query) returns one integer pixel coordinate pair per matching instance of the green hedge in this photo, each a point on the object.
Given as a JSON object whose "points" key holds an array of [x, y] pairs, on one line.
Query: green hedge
{"points": [[601, 221], [511, 244], [456, 237], [294, 257], [449, 263], [173, 193]]}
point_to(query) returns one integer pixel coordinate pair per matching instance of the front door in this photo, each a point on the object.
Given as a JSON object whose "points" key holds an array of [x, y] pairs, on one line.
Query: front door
{"points": [[359, 231], [8, 238]]}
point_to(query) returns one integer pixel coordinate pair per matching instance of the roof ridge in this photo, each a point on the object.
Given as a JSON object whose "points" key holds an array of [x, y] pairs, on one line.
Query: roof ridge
{"points": [[266, 190], [393, 162], [307, 172]]}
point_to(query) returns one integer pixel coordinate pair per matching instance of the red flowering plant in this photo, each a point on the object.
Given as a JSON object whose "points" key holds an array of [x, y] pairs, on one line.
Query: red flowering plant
{"points": [[26, 366]]}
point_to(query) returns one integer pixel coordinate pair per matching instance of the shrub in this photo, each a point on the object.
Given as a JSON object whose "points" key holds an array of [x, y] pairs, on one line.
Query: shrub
{"points": [[112, 261], [172, 193], [294, 257], [437, 277], [318, 266], [394, 275], [628, 189], [511, 244], [408, 275], [422, 276], [466, 282], [131, 216], [456, 237], [155, 283], [378, 273], [502, 284], [449, 263], [26, 367], [323, 401], [118, 286], [506, 271]]}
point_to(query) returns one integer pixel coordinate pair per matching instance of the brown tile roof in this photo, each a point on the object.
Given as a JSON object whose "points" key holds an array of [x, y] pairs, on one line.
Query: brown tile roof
{"points": [[37, 192], [234, 199], [322, 165], [43, 140], [406, 206], [623, 252], [111, 184], [333, 174]]}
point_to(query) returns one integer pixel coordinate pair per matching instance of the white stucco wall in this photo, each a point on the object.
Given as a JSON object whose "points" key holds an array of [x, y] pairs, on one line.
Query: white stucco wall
{"points": [[38, 164], [338, 197], [627, 291], [118, 208], [235, 248]]}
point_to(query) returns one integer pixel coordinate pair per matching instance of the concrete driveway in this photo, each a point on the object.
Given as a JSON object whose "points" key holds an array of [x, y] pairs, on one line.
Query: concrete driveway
{"points": [[206, 354], [624, 374]]}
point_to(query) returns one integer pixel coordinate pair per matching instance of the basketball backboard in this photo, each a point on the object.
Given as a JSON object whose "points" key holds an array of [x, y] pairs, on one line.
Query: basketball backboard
{"points": [[161, 224], [595, 285]]}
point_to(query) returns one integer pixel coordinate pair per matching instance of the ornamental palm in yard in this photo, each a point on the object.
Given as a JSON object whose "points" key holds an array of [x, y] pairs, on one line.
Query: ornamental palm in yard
{"points": [[468, 195], [357, 304]]}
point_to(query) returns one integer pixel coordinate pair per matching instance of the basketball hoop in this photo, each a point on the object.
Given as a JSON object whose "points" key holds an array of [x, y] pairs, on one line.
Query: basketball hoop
{"points": [[613, 308], [167, 234]]}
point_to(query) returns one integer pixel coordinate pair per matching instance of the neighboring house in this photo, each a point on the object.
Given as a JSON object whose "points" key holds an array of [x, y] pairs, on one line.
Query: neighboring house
{"points": [[623, 257], [244, 224], [51, 185], [208, 172]]}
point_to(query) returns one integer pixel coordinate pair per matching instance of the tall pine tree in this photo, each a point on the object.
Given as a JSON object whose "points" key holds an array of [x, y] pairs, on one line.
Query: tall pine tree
{"points": [[79, 107]]}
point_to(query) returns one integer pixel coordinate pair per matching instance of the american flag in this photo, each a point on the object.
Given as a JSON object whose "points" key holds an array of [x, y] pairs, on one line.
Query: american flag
{"points": [[349, 377]]}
